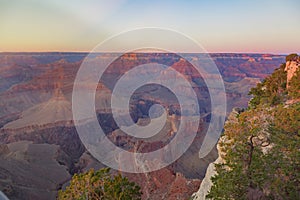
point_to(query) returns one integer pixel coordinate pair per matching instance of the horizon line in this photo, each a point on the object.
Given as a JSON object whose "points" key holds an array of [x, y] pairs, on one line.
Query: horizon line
{"points": [[148, 52]]}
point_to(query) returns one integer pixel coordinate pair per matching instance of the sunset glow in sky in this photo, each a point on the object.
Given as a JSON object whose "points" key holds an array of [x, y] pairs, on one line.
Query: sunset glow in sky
{"points": [[265, 26]]}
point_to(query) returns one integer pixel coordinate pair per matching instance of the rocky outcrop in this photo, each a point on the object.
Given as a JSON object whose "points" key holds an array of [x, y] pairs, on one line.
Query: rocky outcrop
{"points": [[165, 184], [261, 139], [206, 183], [291, 67]]}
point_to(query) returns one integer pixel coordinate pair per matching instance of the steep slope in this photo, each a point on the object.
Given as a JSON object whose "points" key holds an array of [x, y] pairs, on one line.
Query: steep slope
{"points": [[25, 173], [57, 109], [259, 151], [27, 79], [36, 107]]}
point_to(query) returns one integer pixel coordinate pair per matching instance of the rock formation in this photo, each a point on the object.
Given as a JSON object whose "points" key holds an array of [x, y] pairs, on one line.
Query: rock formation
{"points": [[291, 67], [35, 104], [26, 173], [210, 172], [57, 109]]}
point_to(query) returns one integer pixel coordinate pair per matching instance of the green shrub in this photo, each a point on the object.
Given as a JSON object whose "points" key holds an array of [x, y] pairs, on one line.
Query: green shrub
{"points": [[291, 57], [95, 185]]}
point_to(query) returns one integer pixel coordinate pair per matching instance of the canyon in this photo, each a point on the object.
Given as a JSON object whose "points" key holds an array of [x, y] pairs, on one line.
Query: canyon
{"points": [[39, 146]]}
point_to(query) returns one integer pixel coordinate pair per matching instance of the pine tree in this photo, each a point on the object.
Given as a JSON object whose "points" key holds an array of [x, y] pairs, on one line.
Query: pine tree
{"points": [[260, 147]]}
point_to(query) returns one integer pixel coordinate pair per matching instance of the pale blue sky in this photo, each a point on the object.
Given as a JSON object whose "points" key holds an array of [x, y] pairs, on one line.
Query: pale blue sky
{"points": [[220, 26]]}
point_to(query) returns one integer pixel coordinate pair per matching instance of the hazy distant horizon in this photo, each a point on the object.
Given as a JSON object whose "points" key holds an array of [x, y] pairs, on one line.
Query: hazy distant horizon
{"points": [[87, 52]]}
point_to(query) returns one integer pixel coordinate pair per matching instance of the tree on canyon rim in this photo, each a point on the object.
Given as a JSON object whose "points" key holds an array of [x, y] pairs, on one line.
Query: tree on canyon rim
{"points": [[260, 147]]}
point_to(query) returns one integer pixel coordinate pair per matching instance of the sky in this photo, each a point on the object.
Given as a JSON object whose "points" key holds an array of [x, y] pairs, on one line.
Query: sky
{"points": [[250, 26]]}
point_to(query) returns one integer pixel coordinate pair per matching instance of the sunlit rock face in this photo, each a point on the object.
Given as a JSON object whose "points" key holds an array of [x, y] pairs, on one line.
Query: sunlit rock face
{"points": [[35, 109], [291, 67]]}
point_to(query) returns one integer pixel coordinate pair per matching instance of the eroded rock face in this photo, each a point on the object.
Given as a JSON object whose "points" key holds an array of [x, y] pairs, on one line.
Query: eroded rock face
{"points": [[165, 184], [206, 183], [291, 67], [31, 78], [35, 106], [32, 171]]}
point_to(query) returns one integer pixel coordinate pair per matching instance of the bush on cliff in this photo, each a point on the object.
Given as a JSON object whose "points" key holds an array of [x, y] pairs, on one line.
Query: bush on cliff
{"points": [[95, 185]]}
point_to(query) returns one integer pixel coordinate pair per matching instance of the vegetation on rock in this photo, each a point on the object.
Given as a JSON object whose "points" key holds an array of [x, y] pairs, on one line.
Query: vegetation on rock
{"points": [[291, 57], [97, 185], [260, 146], [272, 90], [294, 89]]}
